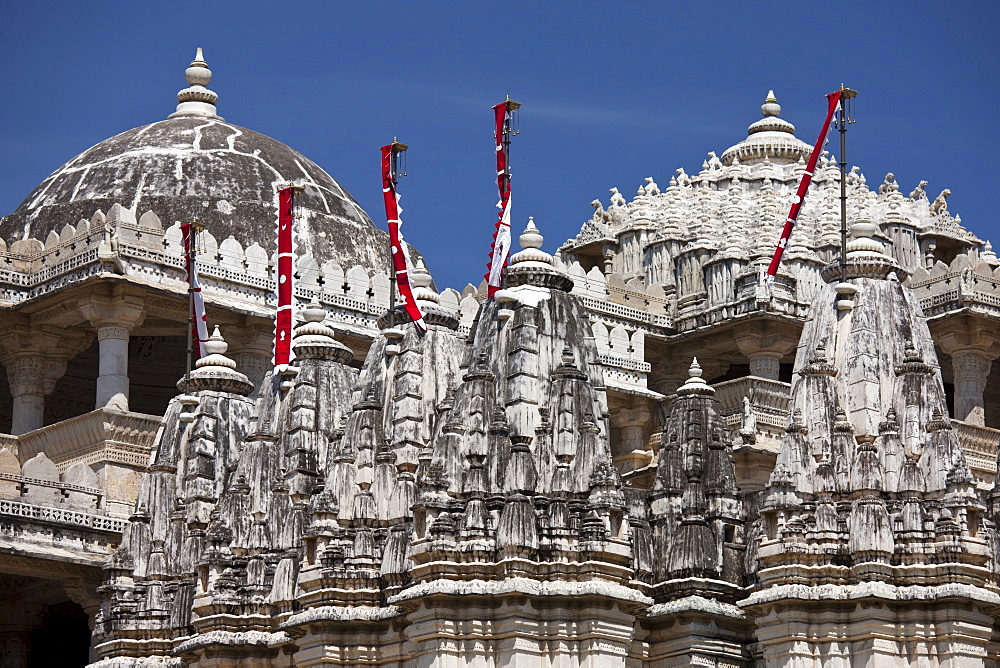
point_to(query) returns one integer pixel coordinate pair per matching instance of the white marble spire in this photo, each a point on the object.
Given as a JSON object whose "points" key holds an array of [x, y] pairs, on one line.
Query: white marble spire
{"points": [[196, 99], [531, 243], [421, 281], [695, 384]]}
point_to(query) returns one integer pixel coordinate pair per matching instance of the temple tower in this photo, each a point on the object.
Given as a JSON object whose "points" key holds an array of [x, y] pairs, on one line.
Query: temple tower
{"points": [[871, 548]]}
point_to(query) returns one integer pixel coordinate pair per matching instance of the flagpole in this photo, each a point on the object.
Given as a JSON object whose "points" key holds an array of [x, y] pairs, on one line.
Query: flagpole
{"points": [[191, 255], [504, 129], [397, 148], [508, 132], [843, 118], [399, 256], [284, 318]]}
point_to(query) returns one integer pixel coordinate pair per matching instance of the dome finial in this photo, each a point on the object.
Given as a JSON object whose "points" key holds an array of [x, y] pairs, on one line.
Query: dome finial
{"points": [[421, 281], [772, 138], [531, 243], [531, 237], [197, 100], [770, 106], [695, 384], [197, 73]]}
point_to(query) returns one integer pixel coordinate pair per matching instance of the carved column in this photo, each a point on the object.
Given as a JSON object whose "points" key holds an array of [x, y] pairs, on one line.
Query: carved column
{"points": [[970, 371], [970, 341], [764, 344], [35, 360], [29, 383], [252, 348], [114, 318], [634, 452], [765, 364]]}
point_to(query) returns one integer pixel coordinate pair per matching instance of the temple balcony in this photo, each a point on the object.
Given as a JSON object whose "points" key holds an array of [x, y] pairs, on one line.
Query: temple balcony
{"points": [[66, 493], [967, 284], [79, 470]]}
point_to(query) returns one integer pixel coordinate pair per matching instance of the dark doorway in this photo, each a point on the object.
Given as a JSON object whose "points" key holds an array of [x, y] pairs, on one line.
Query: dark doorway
{"points": [[62, 639]]}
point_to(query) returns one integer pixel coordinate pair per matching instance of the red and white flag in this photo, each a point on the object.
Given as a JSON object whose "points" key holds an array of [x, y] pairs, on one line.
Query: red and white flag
{"points": [[500, 249], [199, 328], [833, 106], [286, 270], [400, 251]]}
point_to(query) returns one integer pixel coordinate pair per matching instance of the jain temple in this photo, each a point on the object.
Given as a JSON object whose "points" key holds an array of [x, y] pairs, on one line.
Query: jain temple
{"points": [[641, 453]]}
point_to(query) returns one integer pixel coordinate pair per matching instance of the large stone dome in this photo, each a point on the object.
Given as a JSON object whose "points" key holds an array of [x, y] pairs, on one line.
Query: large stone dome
{"points": [[195, 166]]}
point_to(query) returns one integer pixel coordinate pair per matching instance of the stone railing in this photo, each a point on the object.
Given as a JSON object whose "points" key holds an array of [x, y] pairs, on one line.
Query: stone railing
{"points": [[18, 486], [76, 518], [29, 268], [629, 314], [59, 461]]}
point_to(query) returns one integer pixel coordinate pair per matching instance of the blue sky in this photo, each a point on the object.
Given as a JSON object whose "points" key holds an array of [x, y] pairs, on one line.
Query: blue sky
{"points": [[612, 93]]}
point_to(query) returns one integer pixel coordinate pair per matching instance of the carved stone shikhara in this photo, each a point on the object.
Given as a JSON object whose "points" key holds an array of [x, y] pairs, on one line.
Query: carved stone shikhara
{"points": [[546, 478]]}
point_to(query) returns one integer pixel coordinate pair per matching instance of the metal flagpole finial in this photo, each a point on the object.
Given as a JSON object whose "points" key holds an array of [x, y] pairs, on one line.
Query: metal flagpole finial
{"points": [[847, 96], [513, 125], [398, 148]]}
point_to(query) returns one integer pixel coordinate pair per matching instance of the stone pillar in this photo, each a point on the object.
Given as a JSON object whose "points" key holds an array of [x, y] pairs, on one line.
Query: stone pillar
{"points": [[970, 370], [28, 386], [112, 379], [973, 343], [634, 452], [252, 348], [608, 253], [764, 343], [765, 364], [35, 360], [114, 318]]}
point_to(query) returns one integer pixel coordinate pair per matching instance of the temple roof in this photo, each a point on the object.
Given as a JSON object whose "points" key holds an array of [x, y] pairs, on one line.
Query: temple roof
{"points": [[737, 204], [771, 137], [196, 166]]}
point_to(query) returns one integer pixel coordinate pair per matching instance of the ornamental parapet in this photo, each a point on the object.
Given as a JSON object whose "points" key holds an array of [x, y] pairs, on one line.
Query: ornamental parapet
{"points": [[117, 443], [144, 249], [62, 516], [964, 284], [768, 408], [72, 440], [620, 312]]}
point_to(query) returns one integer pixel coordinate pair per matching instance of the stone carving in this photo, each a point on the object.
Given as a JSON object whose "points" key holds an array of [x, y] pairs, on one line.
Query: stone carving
{"points": [[868, 469], [940, 203], [540, 477], [919, 192]]}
